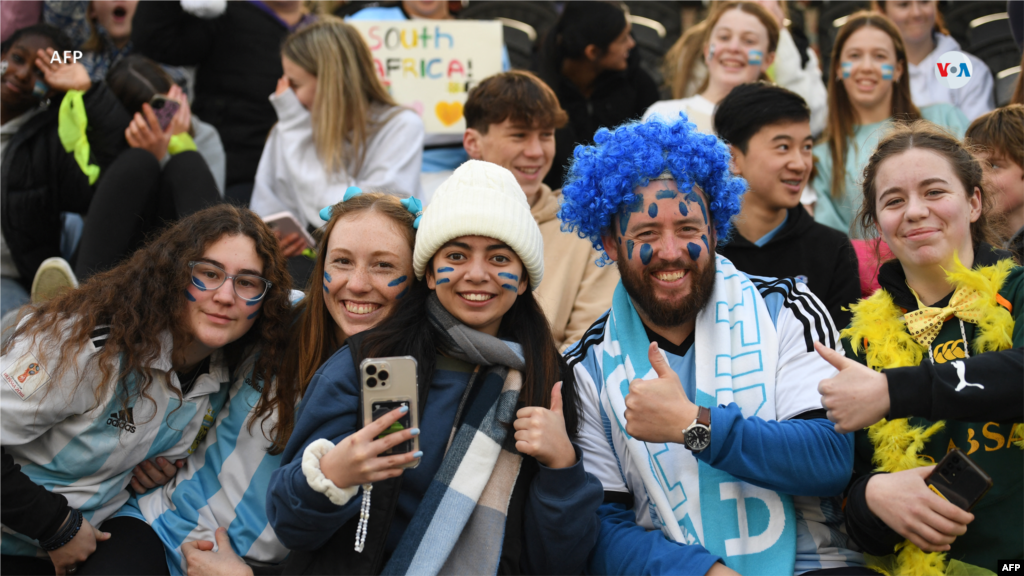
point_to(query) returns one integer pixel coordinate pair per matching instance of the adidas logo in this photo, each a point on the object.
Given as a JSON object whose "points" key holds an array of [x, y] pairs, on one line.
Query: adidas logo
{"points": [[122, 419]]}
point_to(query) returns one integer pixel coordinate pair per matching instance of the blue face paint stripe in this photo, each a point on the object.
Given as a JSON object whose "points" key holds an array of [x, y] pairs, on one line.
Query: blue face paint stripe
{"points": [[257, 301], [629, 249], [403, 292], [253, 315], [705, 239], [683, 211], [327, 277], [510, 287], [398, 281], [444, 281], [645, 253], [189, 295], [694, 250], [887, 71], [652, 210], [512, 277], [198, 284], [695, 198], [326, 290], [445, 269], [662, 194]]}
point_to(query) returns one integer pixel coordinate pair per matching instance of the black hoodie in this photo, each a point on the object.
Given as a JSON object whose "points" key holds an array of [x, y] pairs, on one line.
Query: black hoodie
{"points": [[820, 256]]}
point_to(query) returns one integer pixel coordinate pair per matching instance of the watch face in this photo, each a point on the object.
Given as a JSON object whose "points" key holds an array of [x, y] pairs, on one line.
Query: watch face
{"points": [[698, 438]]}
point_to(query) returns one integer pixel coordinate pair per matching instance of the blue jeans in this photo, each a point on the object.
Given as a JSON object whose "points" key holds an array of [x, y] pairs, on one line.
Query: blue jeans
{"points": [[12, 295]]}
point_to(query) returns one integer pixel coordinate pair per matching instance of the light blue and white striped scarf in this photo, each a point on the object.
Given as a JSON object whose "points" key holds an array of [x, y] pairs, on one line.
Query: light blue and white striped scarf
{"points": [[736, 353]]}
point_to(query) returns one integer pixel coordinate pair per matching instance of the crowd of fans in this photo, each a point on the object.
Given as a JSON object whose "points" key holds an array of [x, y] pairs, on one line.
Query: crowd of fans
{"points": [[723, 315]]}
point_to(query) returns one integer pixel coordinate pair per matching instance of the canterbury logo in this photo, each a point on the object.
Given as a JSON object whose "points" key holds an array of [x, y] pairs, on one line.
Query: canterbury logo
{"points": [[32, 370], [122, 419], [948, 351]]}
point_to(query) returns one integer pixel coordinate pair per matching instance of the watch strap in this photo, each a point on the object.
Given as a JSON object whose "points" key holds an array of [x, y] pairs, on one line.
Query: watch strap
{"points": [[704, 416]]}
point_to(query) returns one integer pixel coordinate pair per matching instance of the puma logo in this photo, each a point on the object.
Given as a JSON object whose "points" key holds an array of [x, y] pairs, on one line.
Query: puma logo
{"points": [[960, 372]]}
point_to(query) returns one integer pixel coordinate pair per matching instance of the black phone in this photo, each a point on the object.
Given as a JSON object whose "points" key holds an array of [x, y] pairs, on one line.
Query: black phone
{"points": [[959, 480]]}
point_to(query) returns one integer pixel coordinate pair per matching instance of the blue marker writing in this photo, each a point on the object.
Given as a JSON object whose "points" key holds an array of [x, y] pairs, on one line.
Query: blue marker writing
{"points": [[645, 254], [398, 281], [510, 287], [887, 71], [755, 57], [694, 250], [512, 277]]}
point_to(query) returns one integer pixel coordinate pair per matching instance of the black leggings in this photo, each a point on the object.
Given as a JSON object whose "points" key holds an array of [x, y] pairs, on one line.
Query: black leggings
{"points": [[133, 548], [135, 198]]}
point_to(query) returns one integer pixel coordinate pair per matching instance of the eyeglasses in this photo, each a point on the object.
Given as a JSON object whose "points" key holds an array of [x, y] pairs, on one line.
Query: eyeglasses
{"points": [[206, 276]]}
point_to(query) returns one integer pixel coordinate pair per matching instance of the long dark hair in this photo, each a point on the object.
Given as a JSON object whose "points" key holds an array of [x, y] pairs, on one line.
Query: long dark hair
{"points": [[841, 117], [581, 24], [144, 297], [135, 79], [408, 331]]}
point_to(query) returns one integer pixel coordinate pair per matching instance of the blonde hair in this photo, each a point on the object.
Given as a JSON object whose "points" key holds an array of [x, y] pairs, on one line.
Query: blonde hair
{"points": [[686, 55], [347, 87]]}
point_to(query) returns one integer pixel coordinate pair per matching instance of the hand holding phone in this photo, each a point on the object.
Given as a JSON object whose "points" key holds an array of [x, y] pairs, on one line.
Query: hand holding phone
{"points": [[164, 108], [959, 480], [905, 503], [357, 459]]}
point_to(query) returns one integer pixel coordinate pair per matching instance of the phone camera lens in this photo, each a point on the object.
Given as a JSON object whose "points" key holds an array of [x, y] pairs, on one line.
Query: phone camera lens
{"points": [[371, 382], [383, 375], [371, 369]]}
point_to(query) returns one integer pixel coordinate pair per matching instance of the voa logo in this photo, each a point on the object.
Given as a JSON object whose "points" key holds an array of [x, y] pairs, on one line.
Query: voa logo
{"points": [[954, 69]]}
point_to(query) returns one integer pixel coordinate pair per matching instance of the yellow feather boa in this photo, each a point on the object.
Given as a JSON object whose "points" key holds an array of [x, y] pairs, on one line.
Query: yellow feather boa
{"points": [[878, 321]]}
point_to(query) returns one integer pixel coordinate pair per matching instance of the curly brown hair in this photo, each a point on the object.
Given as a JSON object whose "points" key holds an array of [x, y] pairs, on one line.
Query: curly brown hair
{"points": [[314, 334], [144, 297]]}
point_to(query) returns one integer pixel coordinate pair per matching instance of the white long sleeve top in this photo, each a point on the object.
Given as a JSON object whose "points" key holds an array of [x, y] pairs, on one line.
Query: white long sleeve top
{"points": [[291, 177]]}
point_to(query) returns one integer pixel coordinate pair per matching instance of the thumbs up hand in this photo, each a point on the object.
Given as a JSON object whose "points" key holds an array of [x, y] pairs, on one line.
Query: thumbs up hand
{"points": [[856, 397], [540, 432], [658, 410]]}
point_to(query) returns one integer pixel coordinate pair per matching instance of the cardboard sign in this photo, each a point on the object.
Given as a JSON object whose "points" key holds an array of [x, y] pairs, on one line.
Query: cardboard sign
{"points": [[431, 65]]}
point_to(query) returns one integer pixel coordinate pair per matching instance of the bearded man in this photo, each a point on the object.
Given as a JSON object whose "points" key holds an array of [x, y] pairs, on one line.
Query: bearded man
{"points": [[701, 414]]}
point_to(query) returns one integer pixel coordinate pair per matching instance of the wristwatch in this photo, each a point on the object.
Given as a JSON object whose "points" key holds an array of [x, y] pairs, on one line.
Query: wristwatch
{"points": [[698, 436]]}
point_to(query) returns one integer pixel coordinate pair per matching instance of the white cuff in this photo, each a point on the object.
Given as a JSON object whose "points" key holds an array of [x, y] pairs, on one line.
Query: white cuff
{"points": [[206, 9], [317, 481]]}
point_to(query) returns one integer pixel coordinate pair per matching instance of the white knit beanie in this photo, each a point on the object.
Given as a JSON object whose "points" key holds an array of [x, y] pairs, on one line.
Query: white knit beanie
{"points": [[480, 199]]}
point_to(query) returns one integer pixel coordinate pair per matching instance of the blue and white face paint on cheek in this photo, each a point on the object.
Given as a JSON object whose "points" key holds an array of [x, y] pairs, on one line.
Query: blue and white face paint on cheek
{"points": [[847, 69], [711, 52], [444, 270], [513, 278], [327, 280], [887, 71], [755, 57]]}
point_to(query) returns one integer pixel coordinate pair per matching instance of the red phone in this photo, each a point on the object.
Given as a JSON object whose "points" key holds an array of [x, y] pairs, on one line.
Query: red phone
{"points": [[165, 109]]}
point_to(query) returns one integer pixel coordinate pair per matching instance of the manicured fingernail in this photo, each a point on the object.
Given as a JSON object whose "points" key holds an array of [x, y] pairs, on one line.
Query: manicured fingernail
{"points": [[418, 454], [415, 431], [403, 409]]}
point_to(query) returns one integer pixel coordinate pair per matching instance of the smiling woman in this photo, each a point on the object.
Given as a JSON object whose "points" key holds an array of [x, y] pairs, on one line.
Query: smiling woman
{"points": [[483, 349], [131, 366], [944, 334]]}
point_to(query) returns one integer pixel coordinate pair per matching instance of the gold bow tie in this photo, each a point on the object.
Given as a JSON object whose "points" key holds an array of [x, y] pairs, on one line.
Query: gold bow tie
{"points": [[925, 322]]}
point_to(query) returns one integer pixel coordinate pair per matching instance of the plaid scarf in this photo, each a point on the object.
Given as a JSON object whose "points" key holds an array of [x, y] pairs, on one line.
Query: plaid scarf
{"points": [[459, 525]]}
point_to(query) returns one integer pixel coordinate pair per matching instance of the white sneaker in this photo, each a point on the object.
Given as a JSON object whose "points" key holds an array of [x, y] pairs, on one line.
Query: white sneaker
{"points": [[53, 277]]}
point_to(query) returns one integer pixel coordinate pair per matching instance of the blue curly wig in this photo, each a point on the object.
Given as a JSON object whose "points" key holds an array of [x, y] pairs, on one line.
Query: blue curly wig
{"points": [[602, 178]]}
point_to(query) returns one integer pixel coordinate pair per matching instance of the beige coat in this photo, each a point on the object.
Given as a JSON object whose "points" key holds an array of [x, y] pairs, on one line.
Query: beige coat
{"points": [[575, 291]]}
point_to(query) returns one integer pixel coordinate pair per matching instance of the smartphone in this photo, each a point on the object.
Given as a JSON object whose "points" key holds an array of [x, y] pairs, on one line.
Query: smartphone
{"points": [[387, 384], [959, 480], [165, 109], [286, 223]]}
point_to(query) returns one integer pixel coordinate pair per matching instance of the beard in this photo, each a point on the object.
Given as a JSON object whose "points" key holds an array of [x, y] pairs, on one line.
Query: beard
{"points": [[640, 287]]}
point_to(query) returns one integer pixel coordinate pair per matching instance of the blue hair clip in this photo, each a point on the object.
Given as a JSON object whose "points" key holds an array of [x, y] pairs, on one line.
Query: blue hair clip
{"points": [[415, 207], [350, 193]]}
